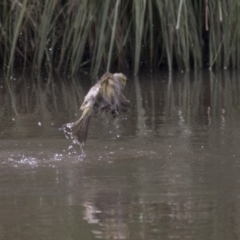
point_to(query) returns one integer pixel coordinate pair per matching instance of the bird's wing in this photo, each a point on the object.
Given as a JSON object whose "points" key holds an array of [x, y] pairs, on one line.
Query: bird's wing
{"points": [[109, 89], [91, 96], [108, 79], [105, 77]]}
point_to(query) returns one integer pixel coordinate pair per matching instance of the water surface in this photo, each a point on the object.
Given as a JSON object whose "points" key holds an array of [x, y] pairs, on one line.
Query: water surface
{"points": [[169, 168]]}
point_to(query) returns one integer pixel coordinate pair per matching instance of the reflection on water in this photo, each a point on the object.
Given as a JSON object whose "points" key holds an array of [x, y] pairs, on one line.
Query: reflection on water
{"points": [[168, 168]]}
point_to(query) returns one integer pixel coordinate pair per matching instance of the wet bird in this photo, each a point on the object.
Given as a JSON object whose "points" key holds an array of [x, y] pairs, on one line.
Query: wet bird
{"points": [[105, 95]]}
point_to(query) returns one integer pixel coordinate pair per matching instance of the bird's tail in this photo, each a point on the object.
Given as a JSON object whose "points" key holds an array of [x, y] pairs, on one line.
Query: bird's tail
{"points": [[79, 129]]}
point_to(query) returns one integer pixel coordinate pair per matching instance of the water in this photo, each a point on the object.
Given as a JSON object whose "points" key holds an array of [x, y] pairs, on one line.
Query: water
{"points": [[169, 168]]}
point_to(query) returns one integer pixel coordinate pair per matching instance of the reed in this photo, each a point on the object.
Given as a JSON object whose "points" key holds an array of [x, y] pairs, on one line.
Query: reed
{"points": [[67, 36]]}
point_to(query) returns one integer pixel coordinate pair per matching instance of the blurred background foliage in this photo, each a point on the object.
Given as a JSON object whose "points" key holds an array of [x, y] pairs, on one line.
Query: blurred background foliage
{"points": [[68, 36]]}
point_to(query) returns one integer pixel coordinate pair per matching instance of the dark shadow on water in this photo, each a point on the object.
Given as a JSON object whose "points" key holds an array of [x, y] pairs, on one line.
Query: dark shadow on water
{"points": [[167, 168]]}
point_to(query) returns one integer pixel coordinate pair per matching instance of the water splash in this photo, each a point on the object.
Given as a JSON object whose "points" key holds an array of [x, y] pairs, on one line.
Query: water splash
{"points": [[57, 157], [83, 154], [67, 130], [23, 160]]}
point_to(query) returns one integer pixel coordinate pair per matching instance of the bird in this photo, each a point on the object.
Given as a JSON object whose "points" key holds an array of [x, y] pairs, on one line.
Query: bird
{"points": [[106, 95]]}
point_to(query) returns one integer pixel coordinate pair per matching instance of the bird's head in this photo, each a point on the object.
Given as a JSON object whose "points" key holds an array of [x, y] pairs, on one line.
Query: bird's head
{"points": [[121, 78]]}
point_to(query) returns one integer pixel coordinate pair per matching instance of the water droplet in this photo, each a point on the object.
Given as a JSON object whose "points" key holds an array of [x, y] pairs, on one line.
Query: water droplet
{"points": [[39, 124]]}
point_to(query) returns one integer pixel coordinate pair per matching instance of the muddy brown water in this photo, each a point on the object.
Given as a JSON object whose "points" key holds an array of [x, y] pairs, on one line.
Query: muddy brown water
{"points": [[169, 168]]}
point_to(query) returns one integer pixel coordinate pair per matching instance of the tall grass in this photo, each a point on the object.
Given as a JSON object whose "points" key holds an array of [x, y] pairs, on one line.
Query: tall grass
{"points": [[67, 36]]}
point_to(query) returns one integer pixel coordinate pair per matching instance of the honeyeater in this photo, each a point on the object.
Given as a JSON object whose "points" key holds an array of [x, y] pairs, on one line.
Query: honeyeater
{"points": [[105, 95]]}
